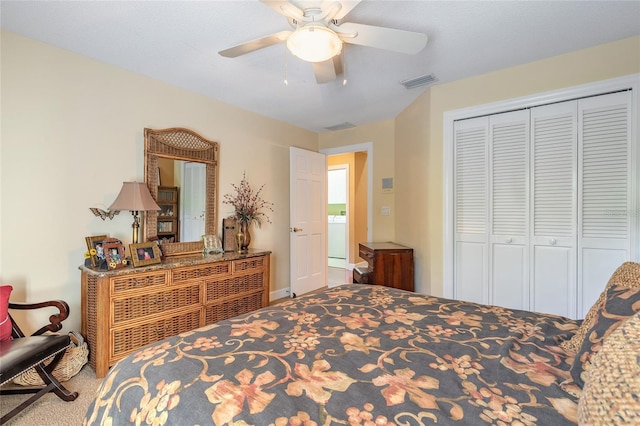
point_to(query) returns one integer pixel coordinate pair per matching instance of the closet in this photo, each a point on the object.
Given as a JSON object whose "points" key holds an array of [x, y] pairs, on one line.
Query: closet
{"points": [[542, 201]]}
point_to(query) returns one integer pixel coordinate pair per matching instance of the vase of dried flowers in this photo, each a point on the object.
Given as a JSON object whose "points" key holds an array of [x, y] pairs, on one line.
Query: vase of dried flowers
{"points": [[249, 207]]}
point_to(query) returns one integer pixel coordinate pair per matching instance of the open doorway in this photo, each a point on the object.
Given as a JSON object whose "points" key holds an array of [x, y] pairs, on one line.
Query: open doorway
{"points": [[338, 225], [357, 208]]}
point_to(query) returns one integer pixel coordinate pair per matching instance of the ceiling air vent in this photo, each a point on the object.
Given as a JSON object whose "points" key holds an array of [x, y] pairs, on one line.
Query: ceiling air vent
{"points": [[341, 126], [418, 81]]}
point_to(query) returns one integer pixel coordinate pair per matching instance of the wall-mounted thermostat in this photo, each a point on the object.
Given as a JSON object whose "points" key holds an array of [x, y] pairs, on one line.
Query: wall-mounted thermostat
{"points": [[387, 185]]}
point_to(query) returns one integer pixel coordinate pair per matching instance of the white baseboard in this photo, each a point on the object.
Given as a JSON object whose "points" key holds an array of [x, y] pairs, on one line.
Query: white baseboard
{"points": [[279, 294]]}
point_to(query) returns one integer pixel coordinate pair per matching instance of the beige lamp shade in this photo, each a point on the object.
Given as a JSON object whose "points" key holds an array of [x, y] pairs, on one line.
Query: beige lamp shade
{"points": [[134, 196]]}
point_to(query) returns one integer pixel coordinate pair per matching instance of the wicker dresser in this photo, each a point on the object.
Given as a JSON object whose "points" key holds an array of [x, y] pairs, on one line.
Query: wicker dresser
{"points": [[126, 309]]}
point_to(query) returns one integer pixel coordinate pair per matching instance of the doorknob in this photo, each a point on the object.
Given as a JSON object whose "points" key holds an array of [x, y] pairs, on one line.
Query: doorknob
{"points": [[294, 229]]}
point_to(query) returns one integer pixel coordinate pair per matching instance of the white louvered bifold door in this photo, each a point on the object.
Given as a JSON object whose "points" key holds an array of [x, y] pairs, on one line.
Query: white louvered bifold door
{"points": [[553, 207], [509, 212], [604, 210], [471, 209]]}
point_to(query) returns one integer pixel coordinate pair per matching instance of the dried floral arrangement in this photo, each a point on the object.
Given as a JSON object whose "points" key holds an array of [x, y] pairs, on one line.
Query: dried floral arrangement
{"points": [[249, 205]]}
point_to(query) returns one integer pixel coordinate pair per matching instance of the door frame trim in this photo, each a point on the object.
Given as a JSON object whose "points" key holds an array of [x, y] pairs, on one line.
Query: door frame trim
{"points": [[596, 88]]}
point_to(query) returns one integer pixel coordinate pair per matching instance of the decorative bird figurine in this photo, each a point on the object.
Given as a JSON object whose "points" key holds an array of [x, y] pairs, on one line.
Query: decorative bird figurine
{"points": [[104, 214]]}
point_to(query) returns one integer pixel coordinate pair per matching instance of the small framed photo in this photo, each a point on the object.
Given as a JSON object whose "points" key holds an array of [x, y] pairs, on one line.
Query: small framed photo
{"points": [[143, 254], [95, 243], [114, 253]]}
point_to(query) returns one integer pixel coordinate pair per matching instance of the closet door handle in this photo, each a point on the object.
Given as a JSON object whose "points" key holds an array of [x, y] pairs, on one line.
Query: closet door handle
{"points": [[552, 241], [509, 240]]}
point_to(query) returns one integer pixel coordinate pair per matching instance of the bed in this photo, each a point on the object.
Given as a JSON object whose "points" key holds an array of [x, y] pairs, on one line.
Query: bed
{"points": [[361, 354]]}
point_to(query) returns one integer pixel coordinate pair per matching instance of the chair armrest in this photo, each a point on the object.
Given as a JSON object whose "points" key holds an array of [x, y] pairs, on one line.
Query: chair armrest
{"points": [[55, 320]]}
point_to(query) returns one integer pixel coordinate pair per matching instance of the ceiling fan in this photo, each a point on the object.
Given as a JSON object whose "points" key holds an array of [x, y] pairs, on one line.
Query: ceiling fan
{"points": [[318, 34]]}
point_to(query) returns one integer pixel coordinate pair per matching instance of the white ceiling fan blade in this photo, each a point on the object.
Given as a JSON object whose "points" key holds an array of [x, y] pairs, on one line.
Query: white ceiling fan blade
{"points": [[382, 38], [285, 8], [256, 44], [328, 70], [347, 6]]}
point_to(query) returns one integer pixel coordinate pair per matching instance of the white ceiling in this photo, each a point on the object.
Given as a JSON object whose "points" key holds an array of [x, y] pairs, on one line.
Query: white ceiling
{"points": [[177, 42]]}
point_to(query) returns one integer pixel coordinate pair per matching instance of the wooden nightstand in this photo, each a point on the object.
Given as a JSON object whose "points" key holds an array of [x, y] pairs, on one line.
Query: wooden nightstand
{"points": [[389, 264]]}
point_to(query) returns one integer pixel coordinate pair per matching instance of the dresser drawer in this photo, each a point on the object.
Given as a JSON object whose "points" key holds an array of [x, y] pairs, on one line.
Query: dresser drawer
{"points": [[195, 272], [233, 286], [139, 306], [241, 265], [127, 340], [123, 283], [222, 311]]}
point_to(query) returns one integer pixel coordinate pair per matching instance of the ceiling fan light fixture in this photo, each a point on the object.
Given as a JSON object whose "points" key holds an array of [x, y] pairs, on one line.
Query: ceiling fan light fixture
{"points": [[314, 43]]}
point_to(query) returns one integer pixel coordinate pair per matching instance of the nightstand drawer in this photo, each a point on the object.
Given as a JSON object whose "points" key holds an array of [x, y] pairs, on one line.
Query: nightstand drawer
{"points": [[365, 254]]}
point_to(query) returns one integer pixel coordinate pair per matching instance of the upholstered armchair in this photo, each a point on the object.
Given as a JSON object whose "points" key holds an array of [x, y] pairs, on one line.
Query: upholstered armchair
{"points": [[19, 353]]}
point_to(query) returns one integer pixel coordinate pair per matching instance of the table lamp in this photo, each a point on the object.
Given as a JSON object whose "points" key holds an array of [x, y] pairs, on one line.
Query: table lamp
{"points": [[135, 197]]}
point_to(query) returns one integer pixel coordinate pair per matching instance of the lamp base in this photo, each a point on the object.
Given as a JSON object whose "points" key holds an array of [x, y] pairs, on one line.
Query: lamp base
{"points": [[135, 227]]}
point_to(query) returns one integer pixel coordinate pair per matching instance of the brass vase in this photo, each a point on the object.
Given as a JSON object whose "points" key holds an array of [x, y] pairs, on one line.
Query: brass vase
{"points": [[243, 237]]}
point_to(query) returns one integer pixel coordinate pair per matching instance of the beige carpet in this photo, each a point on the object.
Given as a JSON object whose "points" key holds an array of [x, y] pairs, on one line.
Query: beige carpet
{"points": [[51, 410]]}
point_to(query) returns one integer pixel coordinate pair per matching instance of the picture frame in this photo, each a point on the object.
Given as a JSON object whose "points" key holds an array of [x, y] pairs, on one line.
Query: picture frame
{"points": [[143, 254], [229, 234], [158, 243], [95, 243], [114, 254]]}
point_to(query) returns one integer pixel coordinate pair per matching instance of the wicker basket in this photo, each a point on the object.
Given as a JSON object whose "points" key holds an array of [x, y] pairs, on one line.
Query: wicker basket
{"points": [[70, 364]]}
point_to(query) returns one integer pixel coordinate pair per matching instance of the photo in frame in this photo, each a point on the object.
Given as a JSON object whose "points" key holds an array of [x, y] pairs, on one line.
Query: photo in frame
{"points": [[114, 253], [95, 243], [143, 254], [229, 234]]}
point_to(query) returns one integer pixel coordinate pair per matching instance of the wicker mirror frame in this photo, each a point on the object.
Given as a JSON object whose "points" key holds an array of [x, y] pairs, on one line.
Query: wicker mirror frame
{"points": [[181, 144]]}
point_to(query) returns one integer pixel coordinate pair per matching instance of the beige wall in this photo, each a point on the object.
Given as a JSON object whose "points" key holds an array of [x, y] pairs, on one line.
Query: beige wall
{"points": [[414, 198], [72, 132], [419, 133]]}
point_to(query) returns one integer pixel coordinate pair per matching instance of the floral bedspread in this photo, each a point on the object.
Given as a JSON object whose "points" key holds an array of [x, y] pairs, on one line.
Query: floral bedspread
{"points": [[354, 354]]}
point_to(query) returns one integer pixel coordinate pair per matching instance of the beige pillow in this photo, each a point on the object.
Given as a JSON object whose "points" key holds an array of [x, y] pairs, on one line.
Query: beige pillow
{"points": [[611, 393], [628, 276]]}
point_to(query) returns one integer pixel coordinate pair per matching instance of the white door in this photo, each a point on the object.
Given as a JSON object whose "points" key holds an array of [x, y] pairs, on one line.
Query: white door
{"points": [[509, 209], [308, 216], [192, 201], [553, 206], [471, 210], [606, 188]]}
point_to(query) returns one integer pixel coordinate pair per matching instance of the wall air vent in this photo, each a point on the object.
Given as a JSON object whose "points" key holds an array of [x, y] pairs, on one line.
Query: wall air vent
{"points": [[418, 81], [341, 126]]}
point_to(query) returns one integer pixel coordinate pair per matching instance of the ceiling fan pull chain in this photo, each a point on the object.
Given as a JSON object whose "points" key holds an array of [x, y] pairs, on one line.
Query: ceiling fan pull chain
{"points": [[286, 81], [344, 68]]}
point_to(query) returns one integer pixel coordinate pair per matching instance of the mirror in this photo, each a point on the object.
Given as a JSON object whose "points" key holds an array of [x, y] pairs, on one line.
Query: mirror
{"points": [[188, 148]]}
